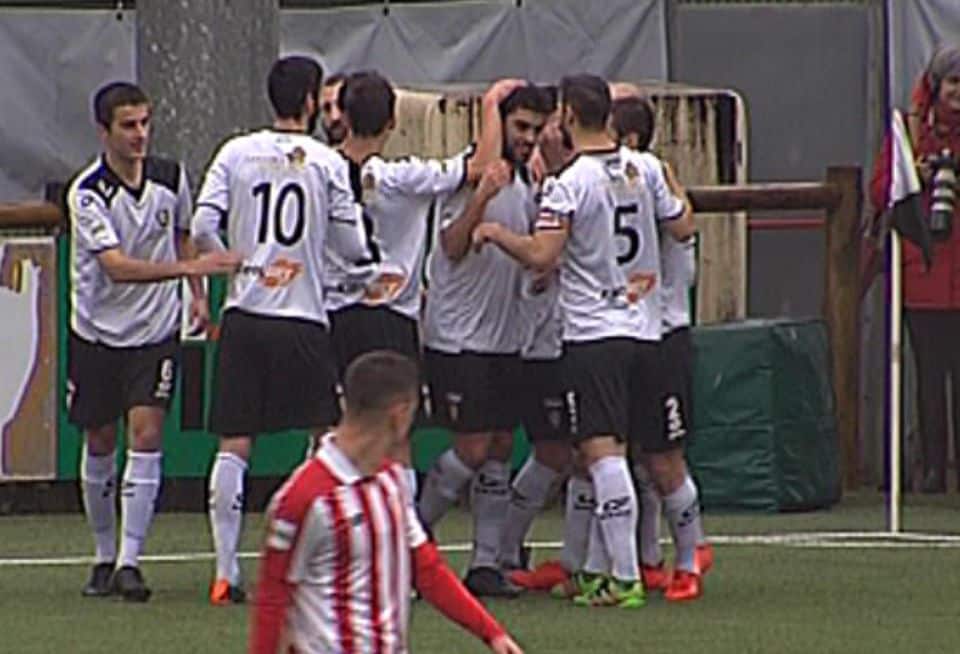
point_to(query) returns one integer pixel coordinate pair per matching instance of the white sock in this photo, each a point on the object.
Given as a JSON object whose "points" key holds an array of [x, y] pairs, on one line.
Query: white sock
{"points": [[226, 512], [617, 513], [528, 494], [576, 523], [98, 486], [651, 508], [489, 499], [138, 499], [598, 559], [442, 486], [682, 510]]}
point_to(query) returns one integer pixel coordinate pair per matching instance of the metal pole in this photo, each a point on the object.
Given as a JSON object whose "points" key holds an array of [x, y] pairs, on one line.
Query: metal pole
{"points": [[896, 380]]}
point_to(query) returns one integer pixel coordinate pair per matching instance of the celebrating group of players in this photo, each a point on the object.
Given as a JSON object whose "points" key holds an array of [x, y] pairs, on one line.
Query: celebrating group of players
{"points": [[558, 257]]}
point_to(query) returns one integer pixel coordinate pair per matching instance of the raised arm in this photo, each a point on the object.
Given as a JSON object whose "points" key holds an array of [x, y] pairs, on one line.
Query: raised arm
{"points": [[455, 236]]}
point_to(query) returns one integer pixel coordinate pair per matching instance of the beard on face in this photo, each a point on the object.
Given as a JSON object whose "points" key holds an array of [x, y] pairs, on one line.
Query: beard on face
{"points": [[335, 132]]}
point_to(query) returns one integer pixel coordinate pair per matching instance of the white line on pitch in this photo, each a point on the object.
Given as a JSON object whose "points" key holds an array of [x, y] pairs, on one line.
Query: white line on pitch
{"points": [[830, 540]]}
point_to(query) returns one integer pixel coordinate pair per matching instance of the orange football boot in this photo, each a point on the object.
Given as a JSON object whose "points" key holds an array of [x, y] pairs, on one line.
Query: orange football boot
{"points": [[684, 586], [542, 578]]}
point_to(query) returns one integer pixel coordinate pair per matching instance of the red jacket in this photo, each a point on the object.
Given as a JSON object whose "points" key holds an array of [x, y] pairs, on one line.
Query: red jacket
{"points": [[938, 288]]}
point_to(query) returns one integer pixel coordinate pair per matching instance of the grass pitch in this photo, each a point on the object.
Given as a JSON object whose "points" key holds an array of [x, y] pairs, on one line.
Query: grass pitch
{"points": [[816, 595]]}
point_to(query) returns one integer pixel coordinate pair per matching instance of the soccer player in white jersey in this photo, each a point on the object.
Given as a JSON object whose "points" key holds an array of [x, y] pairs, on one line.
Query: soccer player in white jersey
{"points": [[129, 217], [599, 221], [331, 115], [632, 121], [472, 334], [344, 545], [283, 201], [381, 311]]}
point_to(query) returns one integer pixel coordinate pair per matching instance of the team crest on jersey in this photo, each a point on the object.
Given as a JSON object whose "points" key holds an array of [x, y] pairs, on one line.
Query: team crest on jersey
{"points": [[631, 171], [280, 273], [640, 285], [296, 157], [368, 185], [163, 217]]}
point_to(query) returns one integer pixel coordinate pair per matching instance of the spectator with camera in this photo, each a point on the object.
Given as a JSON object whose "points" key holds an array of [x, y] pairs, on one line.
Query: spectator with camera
{"points": [[931, 295]]}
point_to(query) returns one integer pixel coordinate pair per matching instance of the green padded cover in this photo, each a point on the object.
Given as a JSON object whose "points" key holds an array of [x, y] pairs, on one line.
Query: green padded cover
{"points": [[765, 433]]}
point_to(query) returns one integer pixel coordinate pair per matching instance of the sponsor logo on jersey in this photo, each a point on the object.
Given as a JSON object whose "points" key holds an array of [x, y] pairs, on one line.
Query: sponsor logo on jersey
{"points": [[385, 286], [639, 286], [276, 274]]}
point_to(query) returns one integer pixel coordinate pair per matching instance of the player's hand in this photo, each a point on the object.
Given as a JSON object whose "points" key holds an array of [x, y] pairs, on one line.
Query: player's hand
{"points": [[495, 176], [501, 89], [538, 167], [484, 233], [199, 315], [505, 645], [215, 263]]}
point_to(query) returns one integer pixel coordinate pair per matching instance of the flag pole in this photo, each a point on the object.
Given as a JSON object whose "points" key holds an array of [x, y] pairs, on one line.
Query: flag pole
{"points": [[896, 380]]}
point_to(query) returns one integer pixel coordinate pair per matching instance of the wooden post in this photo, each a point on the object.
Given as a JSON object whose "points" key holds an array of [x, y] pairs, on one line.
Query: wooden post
{"points": [[842, 311]]}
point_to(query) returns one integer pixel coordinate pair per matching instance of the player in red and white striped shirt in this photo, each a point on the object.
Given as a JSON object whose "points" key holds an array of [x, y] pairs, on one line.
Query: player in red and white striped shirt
{"points": [[344, 542]]}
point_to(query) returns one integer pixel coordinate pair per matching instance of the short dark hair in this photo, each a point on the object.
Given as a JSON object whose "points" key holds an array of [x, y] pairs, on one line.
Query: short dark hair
{"points": [[589, 97], [290, 82], [113, 95], [377, 379], [537, 99], [368, 101], [633, 115]]}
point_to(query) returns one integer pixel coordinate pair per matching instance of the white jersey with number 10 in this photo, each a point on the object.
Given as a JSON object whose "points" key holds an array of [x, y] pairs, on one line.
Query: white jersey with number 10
{"points": [[283, 196]]}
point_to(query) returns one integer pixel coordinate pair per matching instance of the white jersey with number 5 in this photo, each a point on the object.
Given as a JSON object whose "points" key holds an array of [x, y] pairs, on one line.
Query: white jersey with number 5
{"points": [[283, 197], [610, 269]]}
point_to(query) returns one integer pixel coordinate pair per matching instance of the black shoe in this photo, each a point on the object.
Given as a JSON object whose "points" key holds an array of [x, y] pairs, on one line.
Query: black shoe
{"points": [[490, 582], [128, 583], [99, 583]]}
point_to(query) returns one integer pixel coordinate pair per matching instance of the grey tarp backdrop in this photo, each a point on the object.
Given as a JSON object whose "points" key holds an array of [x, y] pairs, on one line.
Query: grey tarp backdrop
{"points": [[51, 60], [916, 28], [480, 41]]}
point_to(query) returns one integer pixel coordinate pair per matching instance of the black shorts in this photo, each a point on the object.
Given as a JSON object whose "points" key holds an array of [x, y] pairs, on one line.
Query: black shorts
{"points": [[104, 382], [664, 424], [272, 374], [473, 392], [543, 410], [360, 329], [607, 382]]}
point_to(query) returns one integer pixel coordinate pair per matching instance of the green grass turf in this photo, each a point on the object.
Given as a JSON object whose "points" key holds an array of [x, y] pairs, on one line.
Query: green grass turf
{"points": [[758, 598]]}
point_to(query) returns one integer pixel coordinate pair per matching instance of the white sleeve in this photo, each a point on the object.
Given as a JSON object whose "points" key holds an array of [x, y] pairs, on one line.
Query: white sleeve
{"points": [[184, 201], [213, 202], [93, 227], [689, 261], [666, 205], [346, 236], [426, 177], [557, 204]]}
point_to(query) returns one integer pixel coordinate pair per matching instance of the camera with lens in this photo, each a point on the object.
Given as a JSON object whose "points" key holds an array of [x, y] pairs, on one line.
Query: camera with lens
{"points": [[943, 194]]}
